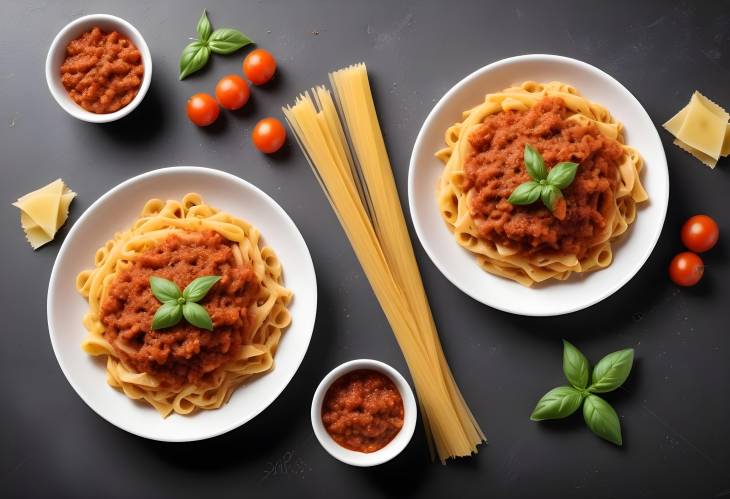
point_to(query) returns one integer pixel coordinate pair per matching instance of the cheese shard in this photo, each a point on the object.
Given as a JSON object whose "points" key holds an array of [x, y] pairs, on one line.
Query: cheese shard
{"points": [[701, 128], [705, 158], [726, 143], [44, 211]]}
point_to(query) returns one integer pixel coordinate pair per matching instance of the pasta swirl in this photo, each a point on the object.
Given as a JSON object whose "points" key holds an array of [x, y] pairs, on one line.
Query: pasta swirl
{"points": [[455, 201], [157, 221]]}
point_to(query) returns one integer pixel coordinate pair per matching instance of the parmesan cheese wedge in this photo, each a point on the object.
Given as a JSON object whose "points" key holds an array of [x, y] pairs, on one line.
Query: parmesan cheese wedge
{"points": [[44, 211], [701, 128]]}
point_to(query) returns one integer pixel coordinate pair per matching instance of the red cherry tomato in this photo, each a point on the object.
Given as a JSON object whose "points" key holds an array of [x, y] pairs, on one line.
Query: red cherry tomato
{"points": [[203, 109], [232, 92], [259, 66], [686, 269], [700, 233], [269, 135]]}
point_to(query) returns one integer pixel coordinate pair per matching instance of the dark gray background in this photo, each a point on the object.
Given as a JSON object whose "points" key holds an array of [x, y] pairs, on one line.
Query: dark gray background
{"points": [[674, 408]]}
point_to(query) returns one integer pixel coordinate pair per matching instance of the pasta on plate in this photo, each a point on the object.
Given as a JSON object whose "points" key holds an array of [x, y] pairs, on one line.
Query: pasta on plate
{"points": [[484, 164], [183, 368]]}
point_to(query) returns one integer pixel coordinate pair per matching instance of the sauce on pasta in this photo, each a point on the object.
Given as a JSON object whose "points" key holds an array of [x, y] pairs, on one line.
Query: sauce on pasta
{"points": [[363, 411], [495, 169], [181, 354]]}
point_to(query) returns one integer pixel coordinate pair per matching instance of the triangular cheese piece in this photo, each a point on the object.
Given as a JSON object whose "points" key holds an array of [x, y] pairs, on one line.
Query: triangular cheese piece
{"points": [[726, 143], [44, 211], [42, 206], [66, 198], [712, 106], [701, 128], [28, 223], [708, 160], [675, 122], [36, 237], [55, 186], [704, 126]]}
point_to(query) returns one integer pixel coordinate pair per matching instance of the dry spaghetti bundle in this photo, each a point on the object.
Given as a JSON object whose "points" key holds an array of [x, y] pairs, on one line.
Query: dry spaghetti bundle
{"points": [[352, 166]]}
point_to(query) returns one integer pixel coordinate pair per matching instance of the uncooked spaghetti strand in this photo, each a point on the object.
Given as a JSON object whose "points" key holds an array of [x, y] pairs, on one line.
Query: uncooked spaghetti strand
{"points": [[361, 190]]}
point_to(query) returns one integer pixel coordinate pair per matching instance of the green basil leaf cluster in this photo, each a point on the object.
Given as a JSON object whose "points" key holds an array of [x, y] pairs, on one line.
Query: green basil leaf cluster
{"points": [[545, 185], [221, 41], [610, 373], [177, 304]]}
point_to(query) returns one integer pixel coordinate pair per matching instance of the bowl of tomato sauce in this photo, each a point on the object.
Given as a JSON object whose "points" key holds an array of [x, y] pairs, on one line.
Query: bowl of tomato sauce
{"points": [[364, 412], [98, 68]]}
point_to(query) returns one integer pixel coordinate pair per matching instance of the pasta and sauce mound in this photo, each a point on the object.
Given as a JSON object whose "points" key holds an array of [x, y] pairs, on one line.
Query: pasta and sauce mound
{"points": [[484, 165], [183, 368]]}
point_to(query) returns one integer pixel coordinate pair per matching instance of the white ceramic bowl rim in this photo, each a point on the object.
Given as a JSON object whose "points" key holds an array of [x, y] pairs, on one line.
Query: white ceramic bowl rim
{"points": [[54, 59], [489, 289], [395, 446], [304, 322]]}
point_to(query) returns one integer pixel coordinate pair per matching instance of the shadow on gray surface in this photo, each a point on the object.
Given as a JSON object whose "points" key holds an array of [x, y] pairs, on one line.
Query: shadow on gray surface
{"points": [[141, 125]]}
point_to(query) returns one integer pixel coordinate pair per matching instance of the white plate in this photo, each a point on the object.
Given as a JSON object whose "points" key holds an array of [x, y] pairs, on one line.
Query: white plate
{"points": [[460, 266], [115, 211]]}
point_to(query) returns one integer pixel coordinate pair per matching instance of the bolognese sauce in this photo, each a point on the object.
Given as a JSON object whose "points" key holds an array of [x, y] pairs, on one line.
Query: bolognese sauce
{"points": [[102, 71], [496, 168], [363, 411], [181, 354]]}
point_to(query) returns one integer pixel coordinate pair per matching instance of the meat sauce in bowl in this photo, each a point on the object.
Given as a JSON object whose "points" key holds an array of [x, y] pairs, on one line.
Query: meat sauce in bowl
{"points": [[102, 72], [363, 410]]}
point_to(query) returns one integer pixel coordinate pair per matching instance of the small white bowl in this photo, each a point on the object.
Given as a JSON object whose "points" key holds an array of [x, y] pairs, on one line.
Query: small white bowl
{"points": [[395, 446], [57, 54]]}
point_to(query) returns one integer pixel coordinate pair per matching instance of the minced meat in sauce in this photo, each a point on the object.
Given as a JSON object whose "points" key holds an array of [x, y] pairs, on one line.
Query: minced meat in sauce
{"points": [[363, 411], [181, 354], [102, 71], [496, 168]]}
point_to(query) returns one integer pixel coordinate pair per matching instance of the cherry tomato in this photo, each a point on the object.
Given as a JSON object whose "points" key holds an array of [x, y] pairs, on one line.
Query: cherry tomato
{"points": [[259, 66], [686, 269], [269, 135], [232, 92], [700, 233], [203, 109]]}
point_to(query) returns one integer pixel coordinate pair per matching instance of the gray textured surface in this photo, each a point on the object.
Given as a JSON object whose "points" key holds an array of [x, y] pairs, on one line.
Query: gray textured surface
{"points": [[675, 406]]}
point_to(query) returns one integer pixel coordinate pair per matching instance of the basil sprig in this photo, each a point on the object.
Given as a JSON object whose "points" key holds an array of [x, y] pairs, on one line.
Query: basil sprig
{"points": [[176, 304], [221, 41], [545, 185], [610, 373]]}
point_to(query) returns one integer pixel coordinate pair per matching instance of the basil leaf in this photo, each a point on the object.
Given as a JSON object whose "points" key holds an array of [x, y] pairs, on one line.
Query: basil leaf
{"points": [[562, 174], [526, 193], [167, 315], [534, 163], [602, 419], [558, 403], [164, 290], [204, 28], [198, 288], [612, 370], [227, 40], [575, 366], [550, 195], [197, 316], [193, 58]]}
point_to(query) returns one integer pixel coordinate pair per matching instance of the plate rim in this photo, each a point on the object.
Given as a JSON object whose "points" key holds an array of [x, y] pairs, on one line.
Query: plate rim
{"points": [[141, 177], [455, 89]]}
